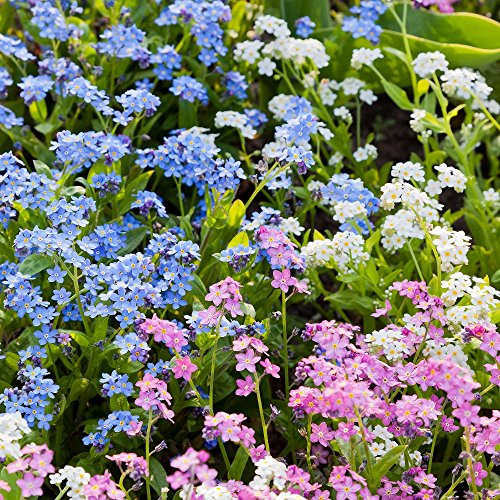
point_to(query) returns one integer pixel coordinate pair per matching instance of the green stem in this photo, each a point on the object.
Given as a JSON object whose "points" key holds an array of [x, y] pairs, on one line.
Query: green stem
{"points": [[148, 435], [62, 492], [365, 445], [212, 368], [470, 465], [261, 411]]}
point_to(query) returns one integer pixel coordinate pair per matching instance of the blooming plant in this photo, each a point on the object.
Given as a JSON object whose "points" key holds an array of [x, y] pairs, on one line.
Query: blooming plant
{"points": [[219, 279]]}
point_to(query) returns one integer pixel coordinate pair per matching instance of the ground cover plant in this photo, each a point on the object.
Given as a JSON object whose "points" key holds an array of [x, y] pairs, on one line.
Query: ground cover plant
{"points": [[249, 249]]}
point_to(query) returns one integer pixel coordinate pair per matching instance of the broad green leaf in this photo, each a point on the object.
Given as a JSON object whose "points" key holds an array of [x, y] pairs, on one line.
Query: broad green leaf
{"points": [[35, 263], [158, 475], [38, 111], [42, 168], [398, 95], [239, 463], [239, 239], [134, 239], [384, 464], [465, 39], [187, 114], [236, 214]]}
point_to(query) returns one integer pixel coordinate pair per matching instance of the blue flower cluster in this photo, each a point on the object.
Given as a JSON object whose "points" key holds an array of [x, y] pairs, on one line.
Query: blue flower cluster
{"points": [[51, 22], [189, 89], [235, 84], [117, 421], [146, 201], [13, 47], [34, 396], [341, 188], [5, 82], [304, 26], [192, 156], [115, 383], [124, 42], [237, 257], [105, 184], [364, 25], [82, 150], [166, 61], [203, 19], [35, 88]]}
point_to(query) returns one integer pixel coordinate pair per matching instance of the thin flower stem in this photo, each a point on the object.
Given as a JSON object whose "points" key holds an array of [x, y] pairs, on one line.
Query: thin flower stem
{"points": [[212, 368], [365, 444], [308, 449], [148, 435], [284, 355], [415, 261], [61, 493], [261, 411], [470, 465], [121, 486]]}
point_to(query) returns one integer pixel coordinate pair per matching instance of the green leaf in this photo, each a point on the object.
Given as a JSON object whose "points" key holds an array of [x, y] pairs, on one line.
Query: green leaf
{"points": [[158, 475], [465, 39], [187, 114], [134, 239], [398, 95], [236, 214], [38, 111], [496, 276], [118, 402], [384, 464], [239, 463], [35, 263], [78, 387], [42, 168], [239, 239]]}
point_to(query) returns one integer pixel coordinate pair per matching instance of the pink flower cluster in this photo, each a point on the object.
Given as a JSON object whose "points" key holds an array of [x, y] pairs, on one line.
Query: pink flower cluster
{"points": [[228, 427], [102, 487], [281, 253], [153, 395], [191, 467], [225, 296], [131, 464], [35, 463], [164, 331]]}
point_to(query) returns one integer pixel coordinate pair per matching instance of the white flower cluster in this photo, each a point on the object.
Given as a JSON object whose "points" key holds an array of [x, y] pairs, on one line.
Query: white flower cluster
{"points": [[492, 198], [354, 86], [421, 208], [452, 247], [408, 170], [365, 56], [13, 427], [465, 84], [76, 478], [272, 26], [206, 492], [416, 122], [346, 249], [343, 113], [291, 225], [348, 210], [448, 349], [237, 120], [378, 448], [269, 472], [427, 63], [389, 342], [477, 300], [283, 46], [326, 91], [364, 153]]}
